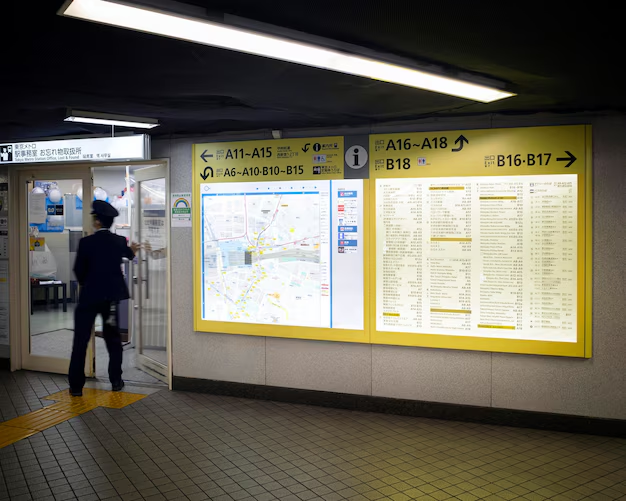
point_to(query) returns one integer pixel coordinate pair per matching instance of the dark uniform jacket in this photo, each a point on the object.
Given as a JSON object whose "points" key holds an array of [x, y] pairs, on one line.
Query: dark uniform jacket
{"points": [[98, 267]]}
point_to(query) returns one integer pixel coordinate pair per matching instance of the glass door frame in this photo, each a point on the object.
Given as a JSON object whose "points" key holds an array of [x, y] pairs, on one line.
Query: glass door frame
{"points": [[149, 173], [18, 224], [31, 361]]}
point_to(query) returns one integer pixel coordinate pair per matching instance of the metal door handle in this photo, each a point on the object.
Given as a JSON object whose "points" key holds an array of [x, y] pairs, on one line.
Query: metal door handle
{"points": [[147, 279], [130, 269]]}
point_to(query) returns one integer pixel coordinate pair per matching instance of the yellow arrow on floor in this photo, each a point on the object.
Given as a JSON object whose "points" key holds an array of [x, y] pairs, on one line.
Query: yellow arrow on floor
{"points": [[67, 407]]}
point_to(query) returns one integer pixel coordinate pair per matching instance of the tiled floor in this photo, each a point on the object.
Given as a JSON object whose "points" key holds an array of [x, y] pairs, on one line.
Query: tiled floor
{"points": [[193, 446]]}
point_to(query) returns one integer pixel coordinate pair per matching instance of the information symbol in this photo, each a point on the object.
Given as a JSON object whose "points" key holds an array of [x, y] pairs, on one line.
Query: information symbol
{"points": [[317, 147], [356, 157]]}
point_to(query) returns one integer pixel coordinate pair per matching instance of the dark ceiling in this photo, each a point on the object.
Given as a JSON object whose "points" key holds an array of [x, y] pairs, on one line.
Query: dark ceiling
{"points": [[562, 60]]}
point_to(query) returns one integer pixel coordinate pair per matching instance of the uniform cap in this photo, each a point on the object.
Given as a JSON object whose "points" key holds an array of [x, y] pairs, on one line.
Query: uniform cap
{"points": [[105, 209]]}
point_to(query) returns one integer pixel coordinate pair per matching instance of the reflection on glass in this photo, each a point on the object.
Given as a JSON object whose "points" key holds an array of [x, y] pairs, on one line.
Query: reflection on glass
{"points": [[55, 226], [154, 269]]}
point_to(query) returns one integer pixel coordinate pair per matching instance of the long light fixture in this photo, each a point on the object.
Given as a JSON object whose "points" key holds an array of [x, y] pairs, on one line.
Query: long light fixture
{"points": [[89, 117], [241, 40]]}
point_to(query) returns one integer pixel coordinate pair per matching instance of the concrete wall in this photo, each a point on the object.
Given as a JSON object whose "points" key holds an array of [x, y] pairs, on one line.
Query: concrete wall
{"points": [[594, 387]]}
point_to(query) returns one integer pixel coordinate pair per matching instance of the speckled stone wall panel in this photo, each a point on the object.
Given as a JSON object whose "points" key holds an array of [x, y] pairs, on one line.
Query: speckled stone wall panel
{"points": [[450, 376], [320, 365]]}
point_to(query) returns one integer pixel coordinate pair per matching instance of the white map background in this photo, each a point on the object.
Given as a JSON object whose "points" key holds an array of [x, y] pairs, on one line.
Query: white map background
{"points": [[262, 258]]}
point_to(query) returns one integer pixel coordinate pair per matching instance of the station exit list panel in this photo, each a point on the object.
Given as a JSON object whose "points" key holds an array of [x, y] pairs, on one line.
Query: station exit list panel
{"points": [[482, 240], [279, 240]]}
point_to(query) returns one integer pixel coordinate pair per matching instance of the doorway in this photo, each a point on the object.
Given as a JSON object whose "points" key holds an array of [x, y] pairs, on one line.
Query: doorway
{"points": [[140, 194], [54, 214]]}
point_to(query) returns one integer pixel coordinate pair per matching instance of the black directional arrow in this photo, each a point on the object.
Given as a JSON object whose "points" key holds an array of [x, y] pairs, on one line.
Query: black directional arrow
{"points": [[306, 147], [570, 159], [208, 172], [204, 156], [461, 140]]}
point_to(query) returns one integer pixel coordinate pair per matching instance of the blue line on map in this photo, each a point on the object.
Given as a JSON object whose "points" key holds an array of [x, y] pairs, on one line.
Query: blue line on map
{"points": [[331, 253]]}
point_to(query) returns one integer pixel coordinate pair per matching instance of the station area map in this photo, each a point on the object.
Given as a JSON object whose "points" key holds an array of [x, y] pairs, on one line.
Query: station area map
{"points": [[265, 253]]}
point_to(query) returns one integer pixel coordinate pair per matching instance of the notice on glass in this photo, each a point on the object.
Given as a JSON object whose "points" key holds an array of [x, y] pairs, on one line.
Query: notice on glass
{"points": [[285, 253], [37, 208], [478, 256]]}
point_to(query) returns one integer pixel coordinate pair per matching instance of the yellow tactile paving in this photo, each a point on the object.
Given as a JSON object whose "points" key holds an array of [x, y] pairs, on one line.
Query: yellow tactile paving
{"points": [[10, 435], [75, 406], [40, 420], [101, 398], [64, 396], [66, 407], [118, 400]]}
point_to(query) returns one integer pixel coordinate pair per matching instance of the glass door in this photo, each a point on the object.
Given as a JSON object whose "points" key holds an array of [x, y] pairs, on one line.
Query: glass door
{"points": [[52, 221], [151, 273]]}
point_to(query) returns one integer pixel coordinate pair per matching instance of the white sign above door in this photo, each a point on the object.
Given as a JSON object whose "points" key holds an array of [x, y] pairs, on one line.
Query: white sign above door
{"points": [[77, 150]]}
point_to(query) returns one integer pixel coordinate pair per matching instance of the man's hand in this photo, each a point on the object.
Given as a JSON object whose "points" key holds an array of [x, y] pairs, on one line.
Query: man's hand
{"points": [[135, 247]]}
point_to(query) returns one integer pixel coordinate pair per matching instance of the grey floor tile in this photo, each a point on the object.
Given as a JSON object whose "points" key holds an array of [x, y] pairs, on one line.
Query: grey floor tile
{"points": [[193, 446]]}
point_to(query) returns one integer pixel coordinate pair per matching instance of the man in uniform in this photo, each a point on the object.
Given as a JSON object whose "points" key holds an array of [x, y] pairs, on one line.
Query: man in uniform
{"points": [[99, 273]]}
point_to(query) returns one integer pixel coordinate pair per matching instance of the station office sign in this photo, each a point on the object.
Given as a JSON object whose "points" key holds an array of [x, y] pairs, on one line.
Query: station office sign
{"points": [[136, 147]]}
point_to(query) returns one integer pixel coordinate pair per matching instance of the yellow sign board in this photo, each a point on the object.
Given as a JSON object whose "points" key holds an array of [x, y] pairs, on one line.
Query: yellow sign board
{"points": [[272, 160], [280, 240], [475, 240], [481, 240], [487, 152]]}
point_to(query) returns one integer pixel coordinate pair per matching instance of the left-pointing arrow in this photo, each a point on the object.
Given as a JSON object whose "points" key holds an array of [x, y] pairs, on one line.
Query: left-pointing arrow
{"points": [[204, 156], [570, 159]]}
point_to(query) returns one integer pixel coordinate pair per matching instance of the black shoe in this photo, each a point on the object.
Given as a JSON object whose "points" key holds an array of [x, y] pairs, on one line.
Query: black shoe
{"points": [[77, 392], [117, 386]]}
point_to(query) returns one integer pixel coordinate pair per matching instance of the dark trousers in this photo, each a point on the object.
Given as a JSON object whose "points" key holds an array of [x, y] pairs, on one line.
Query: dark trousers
{"points": [[84, 318]]}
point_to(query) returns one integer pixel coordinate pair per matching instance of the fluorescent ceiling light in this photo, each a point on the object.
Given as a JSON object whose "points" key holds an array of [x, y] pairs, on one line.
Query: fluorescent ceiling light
{"points": [[220, 35], [88, 117]]}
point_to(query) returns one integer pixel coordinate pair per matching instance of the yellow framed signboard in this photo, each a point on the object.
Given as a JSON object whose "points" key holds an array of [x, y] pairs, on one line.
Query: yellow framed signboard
{"points": [[279, 240], [481, 240]]}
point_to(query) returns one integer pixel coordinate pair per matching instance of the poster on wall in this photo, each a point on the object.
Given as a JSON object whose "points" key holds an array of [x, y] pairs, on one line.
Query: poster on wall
{"points": [[482, 239], [181, 210], [279, 241]]}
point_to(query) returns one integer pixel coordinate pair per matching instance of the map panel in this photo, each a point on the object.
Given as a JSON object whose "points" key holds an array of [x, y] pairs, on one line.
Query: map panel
{"points": [[266, 253]]}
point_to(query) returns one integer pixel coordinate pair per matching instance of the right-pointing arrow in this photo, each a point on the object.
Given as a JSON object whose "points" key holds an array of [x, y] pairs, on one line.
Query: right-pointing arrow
{"points": [[570, 159]]}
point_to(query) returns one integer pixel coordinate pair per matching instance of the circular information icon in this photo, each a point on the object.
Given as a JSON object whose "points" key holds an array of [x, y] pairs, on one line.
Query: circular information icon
{"points": [[356, 157]]}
